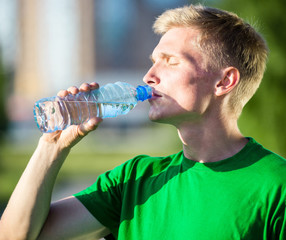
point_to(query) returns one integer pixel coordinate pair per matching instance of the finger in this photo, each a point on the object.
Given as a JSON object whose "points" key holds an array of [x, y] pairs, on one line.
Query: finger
{"points": [[62, 93], [89, 86], [94, 85], [73, 90], [84, 87]]}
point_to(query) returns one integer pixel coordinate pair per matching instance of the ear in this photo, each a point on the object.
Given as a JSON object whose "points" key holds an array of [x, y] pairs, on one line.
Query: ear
{"points": [[229, 80]]}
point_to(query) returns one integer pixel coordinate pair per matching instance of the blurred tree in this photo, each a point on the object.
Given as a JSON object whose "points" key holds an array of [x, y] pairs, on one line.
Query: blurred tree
{"points": [[264, 117]]}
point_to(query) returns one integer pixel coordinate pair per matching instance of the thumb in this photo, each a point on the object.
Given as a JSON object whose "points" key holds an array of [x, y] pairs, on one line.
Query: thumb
{"points": [[88, 126]]}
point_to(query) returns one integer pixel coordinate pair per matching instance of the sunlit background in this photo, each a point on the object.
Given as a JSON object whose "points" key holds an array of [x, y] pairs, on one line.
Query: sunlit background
{"points": [[49, 45]]}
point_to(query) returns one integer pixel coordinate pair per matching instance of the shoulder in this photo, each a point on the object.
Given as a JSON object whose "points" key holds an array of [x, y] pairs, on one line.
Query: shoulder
{"points": [[269, 158], [141, 166], [271, 165]]}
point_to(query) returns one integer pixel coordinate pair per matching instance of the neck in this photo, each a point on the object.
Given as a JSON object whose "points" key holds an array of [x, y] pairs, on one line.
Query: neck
{"points": [[211, 141]]}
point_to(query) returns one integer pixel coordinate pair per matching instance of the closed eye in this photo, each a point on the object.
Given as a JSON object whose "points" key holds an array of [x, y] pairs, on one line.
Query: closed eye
{"points": [[173, 61], [169, 59]]}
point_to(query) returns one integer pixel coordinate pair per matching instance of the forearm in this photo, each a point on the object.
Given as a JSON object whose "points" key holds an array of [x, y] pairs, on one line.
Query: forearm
{"points": [[29, 204]]}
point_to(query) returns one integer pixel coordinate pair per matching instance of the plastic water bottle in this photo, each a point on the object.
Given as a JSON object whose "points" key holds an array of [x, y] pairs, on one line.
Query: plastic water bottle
{"points": [[111, 100]]}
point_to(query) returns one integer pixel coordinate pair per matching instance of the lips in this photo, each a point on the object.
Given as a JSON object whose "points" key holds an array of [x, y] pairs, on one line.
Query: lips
{"points": [[156, 94]]}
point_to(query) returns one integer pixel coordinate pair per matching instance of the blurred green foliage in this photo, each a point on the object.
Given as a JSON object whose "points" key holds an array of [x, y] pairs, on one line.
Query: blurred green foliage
{"points": [[3, 121], [264, 117]]}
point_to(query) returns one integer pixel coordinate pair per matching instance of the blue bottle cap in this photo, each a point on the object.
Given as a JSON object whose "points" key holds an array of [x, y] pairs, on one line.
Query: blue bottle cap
{"points": [[143, 92]]}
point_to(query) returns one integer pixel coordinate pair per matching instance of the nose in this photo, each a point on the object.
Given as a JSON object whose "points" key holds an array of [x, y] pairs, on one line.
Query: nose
{"points": [[151, 77]]}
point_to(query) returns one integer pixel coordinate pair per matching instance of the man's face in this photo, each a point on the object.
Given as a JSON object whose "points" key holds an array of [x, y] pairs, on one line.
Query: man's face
{"points": [[183, 87]]}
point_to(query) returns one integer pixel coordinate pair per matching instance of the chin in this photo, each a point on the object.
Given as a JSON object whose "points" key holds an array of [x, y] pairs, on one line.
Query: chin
{"points": [[160, 119], [175, 119], [155, 117]]}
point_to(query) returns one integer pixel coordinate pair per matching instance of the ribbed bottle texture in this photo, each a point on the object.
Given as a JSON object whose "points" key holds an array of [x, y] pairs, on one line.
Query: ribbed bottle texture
{"points": [[111, 100]]}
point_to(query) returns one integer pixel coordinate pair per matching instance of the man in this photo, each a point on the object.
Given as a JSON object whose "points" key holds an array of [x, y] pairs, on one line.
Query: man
{"points": [[206, 67]]}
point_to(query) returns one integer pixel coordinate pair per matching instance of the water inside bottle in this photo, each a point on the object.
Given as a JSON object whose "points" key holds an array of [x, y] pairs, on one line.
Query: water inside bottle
{"points": [[56, 115], [114, 109]]}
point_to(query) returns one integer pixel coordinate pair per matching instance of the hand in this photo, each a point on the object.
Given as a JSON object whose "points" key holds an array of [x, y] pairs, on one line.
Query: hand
{"points": [[73, 134]]}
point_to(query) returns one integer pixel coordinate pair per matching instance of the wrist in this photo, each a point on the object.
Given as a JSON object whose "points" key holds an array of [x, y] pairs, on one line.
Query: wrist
{"points": [[51, 150]]}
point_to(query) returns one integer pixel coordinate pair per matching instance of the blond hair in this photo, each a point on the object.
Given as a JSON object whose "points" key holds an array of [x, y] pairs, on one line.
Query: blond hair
{"points": [[228, 41]]}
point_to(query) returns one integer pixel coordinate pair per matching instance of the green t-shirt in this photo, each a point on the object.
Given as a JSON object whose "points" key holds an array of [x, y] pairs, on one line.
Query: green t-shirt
{"points": [[242, 197]]}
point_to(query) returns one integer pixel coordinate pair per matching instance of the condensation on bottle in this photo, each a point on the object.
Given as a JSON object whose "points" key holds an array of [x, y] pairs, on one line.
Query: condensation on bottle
{"points": [[56, 113]]}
